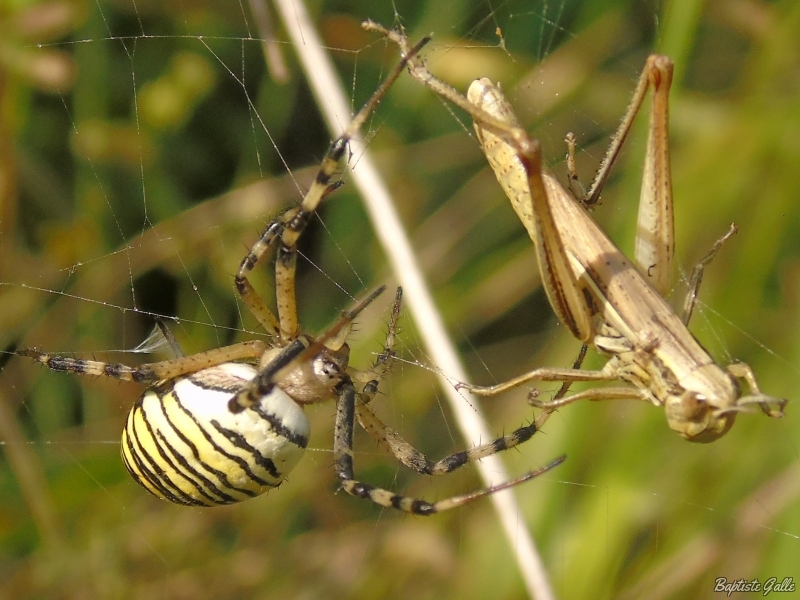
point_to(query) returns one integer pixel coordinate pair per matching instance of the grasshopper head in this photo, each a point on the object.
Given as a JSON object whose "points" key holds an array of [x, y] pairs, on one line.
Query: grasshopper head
{"points": [[706, 406], [696, 419]]}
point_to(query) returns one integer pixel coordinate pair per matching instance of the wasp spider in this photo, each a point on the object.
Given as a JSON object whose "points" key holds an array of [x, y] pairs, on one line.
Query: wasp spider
{"points": [[213, 430]]}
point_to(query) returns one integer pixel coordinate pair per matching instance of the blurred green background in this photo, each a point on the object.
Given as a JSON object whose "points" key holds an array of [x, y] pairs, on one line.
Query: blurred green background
{"points": [[134, 172]]}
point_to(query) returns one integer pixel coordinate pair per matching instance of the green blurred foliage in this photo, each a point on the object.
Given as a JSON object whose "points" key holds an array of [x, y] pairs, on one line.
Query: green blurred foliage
{"points": [[134, 171]]}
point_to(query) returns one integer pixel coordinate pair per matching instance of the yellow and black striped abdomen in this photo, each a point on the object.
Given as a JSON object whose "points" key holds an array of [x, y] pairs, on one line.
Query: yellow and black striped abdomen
{"points": [[183, 444]]}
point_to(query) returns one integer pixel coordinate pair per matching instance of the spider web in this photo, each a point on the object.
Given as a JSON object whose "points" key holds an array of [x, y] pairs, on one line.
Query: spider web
{"points": [[152, 145]]}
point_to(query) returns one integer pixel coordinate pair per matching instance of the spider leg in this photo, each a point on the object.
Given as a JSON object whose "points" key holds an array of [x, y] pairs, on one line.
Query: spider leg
{"points": [[343, 460], [417, 461], [391, 439], [372, 377], [402, 450], [286, 229], [149, 372]]}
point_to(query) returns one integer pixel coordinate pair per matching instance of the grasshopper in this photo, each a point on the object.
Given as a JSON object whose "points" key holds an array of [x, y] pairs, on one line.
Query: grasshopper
{"points": [[607, 301]]}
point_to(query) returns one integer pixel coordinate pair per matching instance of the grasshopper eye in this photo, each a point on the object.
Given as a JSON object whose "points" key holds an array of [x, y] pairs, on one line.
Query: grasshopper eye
{"points": [[693, 404]]}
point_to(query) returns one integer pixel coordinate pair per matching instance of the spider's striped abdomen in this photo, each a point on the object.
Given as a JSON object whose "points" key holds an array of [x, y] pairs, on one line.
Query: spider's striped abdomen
{"points": [[183, 444]]}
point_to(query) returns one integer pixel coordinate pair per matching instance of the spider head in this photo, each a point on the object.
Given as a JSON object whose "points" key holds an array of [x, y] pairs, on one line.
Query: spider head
{"points": [[314, 379]]}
